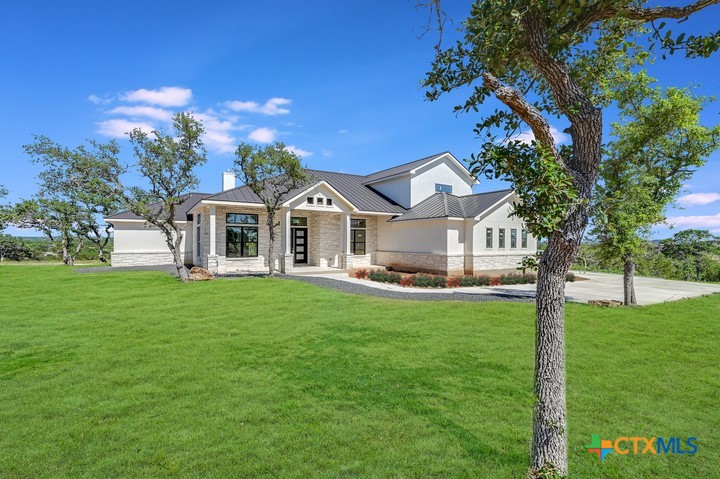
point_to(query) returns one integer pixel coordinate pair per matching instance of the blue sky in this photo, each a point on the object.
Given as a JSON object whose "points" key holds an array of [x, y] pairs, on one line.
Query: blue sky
{"points": [[338, 81]]}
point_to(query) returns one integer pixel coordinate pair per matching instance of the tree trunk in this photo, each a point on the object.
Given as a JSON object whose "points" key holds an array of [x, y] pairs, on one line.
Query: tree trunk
{"points": [[179, 264], [629, 281], [67, 259], [549, 449], [101, 255]]}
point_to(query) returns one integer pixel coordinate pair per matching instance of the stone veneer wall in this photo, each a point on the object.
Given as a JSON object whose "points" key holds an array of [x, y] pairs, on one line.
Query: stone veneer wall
{"points": [[505, 263], [324, 238], [422, 262], [138, 258]]}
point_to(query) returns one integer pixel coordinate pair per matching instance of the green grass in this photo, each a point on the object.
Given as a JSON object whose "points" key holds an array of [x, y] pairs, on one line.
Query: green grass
{"points": [[137, 375]]}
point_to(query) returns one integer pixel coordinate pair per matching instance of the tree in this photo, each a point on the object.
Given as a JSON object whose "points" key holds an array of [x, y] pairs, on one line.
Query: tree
{"points": [[542, 59], [4, 211], [13, 249], [76, 176], [690, 247], [271, 173], [168, 163], [56, 219], [656, 146]]}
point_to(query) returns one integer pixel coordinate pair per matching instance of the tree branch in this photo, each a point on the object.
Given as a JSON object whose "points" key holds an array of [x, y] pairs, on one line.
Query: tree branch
{"points": [[526, 111]]}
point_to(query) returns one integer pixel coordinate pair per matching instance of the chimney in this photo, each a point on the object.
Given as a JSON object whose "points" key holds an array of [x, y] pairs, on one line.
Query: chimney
{"points": [[228, 180]]}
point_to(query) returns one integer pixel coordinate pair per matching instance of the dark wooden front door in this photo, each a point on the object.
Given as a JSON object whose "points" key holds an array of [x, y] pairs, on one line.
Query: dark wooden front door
{"points": [[300, 245]]}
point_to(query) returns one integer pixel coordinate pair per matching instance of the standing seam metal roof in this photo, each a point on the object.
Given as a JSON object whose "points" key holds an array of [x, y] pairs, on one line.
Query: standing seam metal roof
{"points": [[446, 205]]}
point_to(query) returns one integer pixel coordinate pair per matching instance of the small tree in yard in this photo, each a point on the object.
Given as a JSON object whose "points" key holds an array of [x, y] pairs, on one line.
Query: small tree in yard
{"points": [[545, 59], [4, 210], [57, 219], [76, 176], [168, 163], [271, 173], [690, 248], [656, 147]]}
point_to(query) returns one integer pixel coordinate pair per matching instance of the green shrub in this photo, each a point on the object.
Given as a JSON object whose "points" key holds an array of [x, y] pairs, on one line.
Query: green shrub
{"points": [[382, 276]]}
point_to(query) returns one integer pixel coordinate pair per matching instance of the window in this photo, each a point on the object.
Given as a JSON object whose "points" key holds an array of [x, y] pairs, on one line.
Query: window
{"points": [[357, 236], [310, 200], [328, 202], [198, 242], [501, 238], [440, 188], [523, 238], [298, 221], [320, 201], [513, 238], [488, 238], [241, 219], [242, 241]]}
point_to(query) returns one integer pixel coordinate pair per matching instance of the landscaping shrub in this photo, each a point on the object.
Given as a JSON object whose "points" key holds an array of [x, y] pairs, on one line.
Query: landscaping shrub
{"points": [[495, 281], [453, 282], [382, 276], [361, 274], [570, 277], [424, 280]]}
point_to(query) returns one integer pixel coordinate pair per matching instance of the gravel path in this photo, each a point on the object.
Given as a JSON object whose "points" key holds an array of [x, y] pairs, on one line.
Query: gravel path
{"points": [[353, 288]]}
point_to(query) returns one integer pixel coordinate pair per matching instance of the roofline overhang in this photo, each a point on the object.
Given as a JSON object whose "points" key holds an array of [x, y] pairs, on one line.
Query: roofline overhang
{"points": [[134, 220], [224, 203], [287, 202], [449, 218], [414, 170]]}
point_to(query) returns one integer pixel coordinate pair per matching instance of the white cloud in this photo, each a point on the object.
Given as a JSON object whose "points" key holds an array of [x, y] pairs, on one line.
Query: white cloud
{"points": [[697, 199], [164, 96], [119, 127], [527, 136], [327, 152], [298, 151], [143, 111], [342, 132], [100, 100], [701, 222], [271, 107], [263, 135], [217, 135]]}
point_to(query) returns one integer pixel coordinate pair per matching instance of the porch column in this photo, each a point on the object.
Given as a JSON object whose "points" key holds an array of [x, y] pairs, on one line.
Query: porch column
{"points": [[345, 234], [286, 263], [212, 252]]}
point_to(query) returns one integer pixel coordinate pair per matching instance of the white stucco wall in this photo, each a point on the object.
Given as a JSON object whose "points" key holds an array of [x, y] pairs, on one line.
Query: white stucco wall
{"points": [[444, 172], [134, 237], [500, 218], [397, 189], [428, 236]]}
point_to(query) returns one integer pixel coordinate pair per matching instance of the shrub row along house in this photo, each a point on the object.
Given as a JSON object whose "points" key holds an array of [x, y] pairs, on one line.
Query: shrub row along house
{"points": [[419, 216]]}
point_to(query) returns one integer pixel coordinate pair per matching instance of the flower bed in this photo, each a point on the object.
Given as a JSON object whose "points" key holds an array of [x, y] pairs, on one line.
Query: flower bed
{"points": [[424, 280]]}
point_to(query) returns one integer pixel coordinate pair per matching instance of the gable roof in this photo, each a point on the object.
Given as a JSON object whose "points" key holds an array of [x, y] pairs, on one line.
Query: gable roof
{"points": [[400, 169], [351, 188], [181, 211], [446, 205]]}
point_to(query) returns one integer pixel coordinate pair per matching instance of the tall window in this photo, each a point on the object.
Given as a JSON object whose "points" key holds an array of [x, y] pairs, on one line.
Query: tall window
{"points": [[440, 188], [488, 237], [513, 238], [241, 241], [357, 236], [501, 238], [198, 241], [523, 238]]}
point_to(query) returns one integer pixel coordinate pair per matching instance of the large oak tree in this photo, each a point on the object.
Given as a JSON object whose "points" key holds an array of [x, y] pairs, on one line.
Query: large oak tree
{"points": [[544, 59]]}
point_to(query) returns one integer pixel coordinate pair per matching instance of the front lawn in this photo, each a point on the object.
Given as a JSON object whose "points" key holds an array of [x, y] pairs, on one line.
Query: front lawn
{"points": [[137, 375]]}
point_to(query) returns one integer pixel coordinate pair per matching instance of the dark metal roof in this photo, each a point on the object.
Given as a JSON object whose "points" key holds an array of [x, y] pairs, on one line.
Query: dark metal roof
{"points": [[350, 187], [181, 211], [445, 205], [404, 168]]}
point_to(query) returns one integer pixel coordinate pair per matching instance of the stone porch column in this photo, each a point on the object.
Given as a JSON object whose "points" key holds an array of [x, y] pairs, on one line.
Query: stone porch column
{"points": [[286, 259], [212, 254], [346, 256]]}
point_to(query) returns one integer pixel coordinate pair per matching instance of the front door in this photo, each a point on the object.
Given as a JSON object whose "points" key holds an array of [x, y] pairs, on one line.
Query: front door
{"points": [[299, 245]]}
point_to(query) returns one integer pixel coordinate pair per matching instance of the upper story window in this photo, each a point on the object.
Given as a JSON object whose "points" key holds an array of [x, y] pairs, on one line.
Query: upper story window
{"points": [[241, 219], [488, 237], [501, 238], [440, 188], [328, 201], [523, 238], [310, 200], [320, 201]]}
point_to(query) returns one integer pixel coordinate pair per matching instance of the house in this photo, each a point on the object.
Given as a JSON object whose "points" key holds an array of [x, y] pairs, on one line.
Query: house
{"points": [[419, 216]]}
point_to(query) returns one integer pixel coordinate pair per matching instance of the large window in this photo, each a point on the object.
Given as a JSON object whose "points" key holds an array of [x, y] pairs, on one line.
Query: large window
{"points": [[513, 238], [488, 237], [357, 236], [501, 238], [440, 188], [241, 241], [298, 221], [241, 219], [523, 238]]}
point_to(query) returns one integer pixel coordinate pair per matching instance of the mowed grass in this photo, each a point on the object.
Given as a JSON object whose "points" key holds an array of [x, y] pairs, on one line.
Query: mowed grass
{"points": [[137, 375]]}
